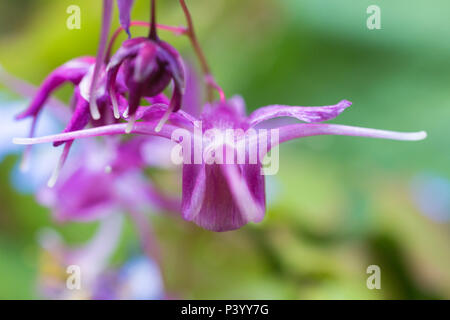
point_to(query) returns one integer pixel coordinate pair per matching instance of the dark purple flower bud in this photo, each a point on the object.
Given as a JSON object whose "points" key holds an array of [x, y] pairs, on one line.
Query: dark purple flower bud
{"points": [[148, 66]]}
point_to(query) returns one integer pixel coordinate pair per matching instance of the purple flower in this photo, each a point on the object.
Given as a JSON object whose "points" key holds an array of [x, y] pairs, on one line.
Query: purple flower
{"points": [[79, 72], [217, 195], [101, 180], [149, 66], [223, 197], [73, 71]]}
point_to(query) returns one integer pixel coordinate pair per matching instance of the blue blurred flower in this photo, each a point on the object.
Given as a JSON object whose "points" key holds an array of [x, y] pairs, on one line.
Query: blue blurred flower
{"points": [[431, 193], [43, 162], [140, 279]]}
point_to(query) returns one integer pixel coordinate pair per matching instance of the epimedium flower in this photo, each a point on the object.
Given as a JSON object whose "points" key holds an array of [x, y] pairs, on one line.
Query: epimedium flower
{"points": [[216, 195], [78, 72], [149, 65], [224, 197]]}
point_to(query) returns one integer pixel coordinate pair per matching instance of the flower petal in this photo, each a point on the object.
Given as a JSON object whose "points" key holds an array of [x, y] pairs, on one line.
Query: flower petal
{"points": [[192, 100], [139, 128], [26, 89], [80, 117], [221, 198], [72, 71], [156, 111], [247, 188], [307, 114], [176, 65], [125, 13], [301, 130], [194, 188]]}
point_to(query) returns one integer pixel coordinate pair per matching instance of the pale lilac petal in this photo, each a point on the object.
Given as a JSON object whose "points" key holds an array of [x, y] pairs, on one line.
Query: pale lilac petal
{"points": [[72, 71], [307, 114], [114, 129], [301, 130], [194, 188], [241, 184], [125, 13], [155, 112], [83, 196], [192, 100], [238, 104], [21, 87]]}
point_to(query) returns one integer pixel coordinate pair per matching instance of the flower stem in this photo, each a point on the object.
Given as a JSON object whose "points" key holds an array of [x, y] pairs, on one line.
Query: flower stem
{"points": [[153, 30]]}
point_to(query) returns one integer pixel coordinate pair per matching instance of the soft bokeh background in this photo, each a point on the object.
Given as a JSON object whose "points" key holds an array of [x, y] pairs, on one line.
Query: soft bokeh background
{"points": [[338, 204]]}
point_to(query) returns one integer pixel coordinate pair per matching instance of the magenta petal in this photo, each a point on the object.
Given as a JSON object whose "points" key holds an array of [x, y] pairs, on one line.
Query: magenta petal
{"points": [[72, 71], [194, 189], [158, 99], [223, 197], [76, 198], [238, 104], [307, 114], [155, 112], [80, 117], [114, 129], [125, 13], [192, 100], [301, 130]]}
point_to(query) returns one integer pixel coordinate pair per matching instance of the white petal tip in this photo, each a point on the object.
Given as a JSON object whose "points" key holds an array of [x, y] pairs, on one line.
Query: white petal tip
{"points": [[115, 104], [19, 140], [53, 179], [422, 135], [130, 124], [163, 120], [416, 136], [95, 114]]}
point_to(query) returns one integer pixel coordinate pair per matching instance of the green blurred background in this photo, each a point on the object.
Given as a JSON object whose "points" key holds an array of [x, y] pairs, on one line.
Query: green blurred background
{"points": [[338, 204]]}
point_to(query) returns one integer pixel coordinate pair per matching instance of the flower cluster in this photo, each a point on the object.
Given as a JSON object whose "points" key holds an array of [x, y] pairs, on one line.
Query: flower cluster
{"points": [[108, 94]]}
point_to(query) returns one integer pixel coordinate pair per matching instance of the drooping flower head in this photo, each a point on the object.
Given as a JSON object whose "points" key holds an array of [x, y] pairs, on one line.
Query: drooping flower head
{"points": [[78, 72], [217, 195], [149, 65], [225, 196]]}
